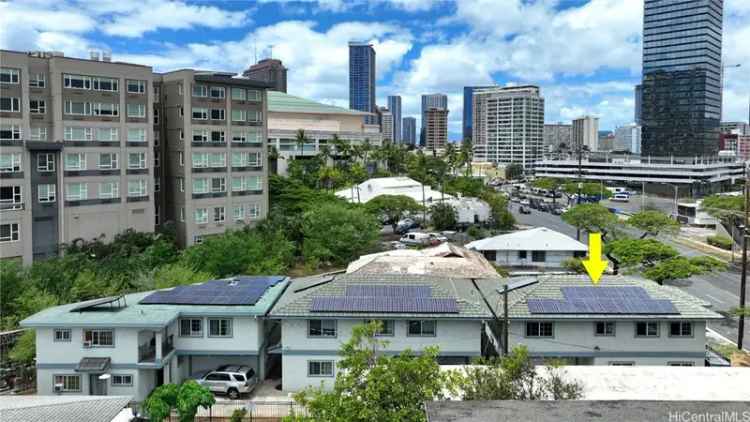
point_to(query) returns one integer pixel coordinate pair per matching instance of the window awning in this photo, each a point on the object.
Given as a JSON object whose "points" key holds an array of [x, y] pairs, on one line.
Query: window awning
{"points": [[93, 365]]}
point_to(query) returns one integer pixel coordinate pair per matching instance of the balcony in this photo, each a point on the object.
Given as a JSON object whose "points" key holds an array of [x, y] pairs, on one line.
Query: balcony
{"points": [[147, 351], [167, 345]]}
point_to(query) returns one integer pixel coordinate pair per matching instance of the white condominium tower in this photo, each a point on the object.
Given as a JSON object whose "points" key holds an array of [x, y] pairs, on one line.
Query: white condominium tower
{"points": [[508, 125]]}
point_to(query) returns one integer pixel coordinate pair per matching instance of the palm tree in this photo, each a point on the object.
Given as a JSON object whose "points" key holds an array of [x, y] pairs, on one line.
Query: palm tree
{"points": [[325, 153], [450, 156], [466, 155], [301, 139]]}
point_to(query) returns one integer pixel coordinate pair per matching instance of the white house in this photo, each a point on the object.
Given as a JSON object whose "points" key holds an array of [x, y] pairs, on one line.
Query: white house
{"points": [[317, 316], [400, 185], [128, 345], [538, 247], [620, 321]]}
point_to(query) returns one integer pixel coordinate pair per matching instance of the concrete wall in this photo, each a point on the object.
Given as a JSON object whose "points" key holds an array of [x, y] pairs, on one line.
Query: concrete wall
{"points": [[577, 339], [553, 259], [246, 337], [48, 351]]}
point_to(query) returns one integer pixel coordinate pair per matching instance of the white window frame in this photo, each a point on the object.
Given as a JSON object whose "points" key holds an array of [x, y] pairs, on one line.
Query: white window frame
{"points": [[222, 114], [38, 133], [14, 234], [16, 198], [140, 86], [114, 134], [50, 161], [105, 109], [222, 138], [38, 80], [200, 135], [70, 133], [254, 116], [81, 195], [47, 193], [96, 337], [68, 81], [67, 385], [139, 138], [62, 335], [220, 214], [15, 131], [39, 108], [242, 116], [540, 333], [140, 111], [224, 326], [81, 161], [254, 95], [188, 323], [201, 215], [682, 325], [217, 89], [69, 108], [141, 160], [647, 334], [16, 164], [15, 105], [238, 213], [320, 366], [253, 211], [222, 184], [202, 113], [122, 380], [331, 331], [109, 190], [201, 185], [200, 91], [113, 162], [141, 186], [14, 76], [96, 84], [605, 333], [241, 91]]}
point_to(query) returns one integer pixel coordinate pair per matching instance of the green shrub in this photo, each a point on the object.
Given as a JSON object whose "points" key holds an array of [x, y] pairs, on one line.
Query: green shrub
{"points": [[722, 242]]}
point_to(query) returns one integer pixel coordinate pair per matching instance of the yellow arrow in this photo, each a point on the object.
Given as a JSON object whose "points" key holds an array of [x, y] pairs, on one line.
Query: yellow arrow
{"points": [[595, 265]]}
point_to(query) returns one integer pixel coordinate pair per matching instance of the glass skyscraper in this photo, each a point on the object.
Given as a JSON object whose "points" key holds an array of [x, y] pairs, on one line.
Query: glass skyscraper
{"points": [[394, 105], [681, 89], [409, 135], [362, 79]]}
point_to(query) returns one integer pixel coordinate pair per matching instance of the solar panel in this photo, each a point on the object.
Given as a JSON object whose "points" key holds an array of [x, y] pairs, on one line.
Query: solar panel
{"points": [[114, 302], [599, 305], [241, 290], [383, 304], [379, 290], [621, 292]]}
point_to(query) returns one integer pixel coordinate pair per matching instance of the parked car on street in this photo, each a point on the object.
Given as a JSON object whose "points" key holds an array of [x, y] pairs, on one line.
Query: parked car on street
{"points": [[231, 380], [543, 206], [405, 225], [557, 210], [620, 197], [524, 210], [525, 202]]}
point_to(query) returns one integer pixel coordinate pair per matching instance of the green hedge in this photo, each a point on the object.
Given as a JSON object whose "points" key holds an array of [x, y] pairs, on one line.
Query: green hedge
{"points": [[722, 242]]}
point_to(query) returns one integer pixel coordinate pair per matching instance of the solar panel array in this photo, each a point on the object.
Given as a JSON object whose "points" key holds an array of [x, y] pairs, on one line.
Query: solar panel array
{"points": [[235, 291], [373, 290], [602, 300], [379, 298], [383, 304]]}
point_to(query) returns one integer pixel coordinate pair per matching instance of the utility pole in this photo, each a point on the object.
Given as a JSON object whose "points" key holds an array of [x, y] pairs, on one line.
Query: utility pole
{"points": [[743, 276], [506, 324]]}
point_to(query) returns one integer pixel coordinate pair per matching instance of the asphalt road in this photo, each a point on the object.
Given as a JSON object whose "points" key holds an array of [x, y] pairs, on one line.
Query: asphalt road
{"points": [[720, 289]]}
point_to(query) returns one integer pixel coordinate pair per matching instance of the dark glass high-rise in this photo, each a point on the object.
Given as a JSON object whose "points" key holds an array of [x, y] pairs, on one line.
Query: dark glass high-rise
{"points": [[681, 89]]}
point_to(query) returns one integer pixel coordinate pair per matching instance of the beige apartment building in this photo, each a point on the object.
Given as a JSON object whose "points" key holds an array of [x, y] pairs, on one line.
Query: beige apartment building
{"points": [[213, 155], [90, 148], [76, 147], [436, 128]]}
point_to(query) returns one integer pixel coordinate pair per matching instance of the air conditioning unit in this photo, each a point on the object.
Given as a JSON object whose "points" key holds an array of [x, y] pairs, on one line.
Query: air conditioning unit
{"points": [[58, 388], [87, 344]]}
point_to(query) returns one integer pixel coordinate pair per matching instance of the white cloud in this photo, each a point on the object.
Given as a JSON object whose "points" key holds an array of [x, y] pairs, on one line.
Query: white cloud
{"points": [[153, 15]]}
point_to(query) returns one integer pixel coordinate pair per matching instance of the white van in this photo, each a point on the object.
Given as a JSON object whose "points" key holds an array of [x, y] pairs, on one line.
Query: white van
{"points": [[415, 238], [620, 197]]}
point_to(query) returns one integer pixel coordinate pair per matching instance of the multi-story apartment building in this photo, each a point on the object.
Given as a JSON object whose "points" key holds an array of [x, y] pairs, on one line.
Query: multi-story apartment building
{"points": [[508, 125], [468, 110], [143, 340], [362, 79], [394, 105], [557, 136], [585, 133], [682, 77], [387, 124], [213, 152], [271, 71], [409, 134], [436, 129], [429, 101], [77, 151]]}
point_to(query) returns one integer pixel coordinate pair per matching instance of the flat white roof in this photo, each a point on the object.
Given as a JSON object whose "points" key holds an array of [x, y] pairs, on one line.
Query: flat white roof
{"points": [[536, 239], [372, 188]]}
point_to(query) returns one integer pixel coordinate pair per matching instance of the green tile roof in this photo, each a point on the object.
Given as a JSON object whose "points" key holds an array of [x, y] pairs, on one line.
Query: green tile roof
{"points": [[548, 287], [135, 314], [280, 102], [296, 300]]}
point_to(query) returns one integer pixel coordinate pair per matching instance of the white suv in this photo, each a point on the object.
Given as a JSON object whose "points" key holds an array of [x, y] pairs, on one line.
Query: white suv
{"points": [[231, 380]]}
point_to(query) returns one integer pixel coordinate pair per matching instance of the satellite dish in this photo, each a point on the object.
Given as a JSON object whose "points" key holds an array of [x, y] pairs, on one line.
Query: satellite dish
{"points": [[105, 376]]}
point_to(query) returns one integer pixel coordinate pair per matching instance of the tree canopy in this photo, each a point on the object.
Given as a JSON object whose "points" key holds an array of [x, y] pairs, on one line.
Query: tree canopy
{"points": [[392, 207], [186, 398], [443, 216], [653, 222], [513, 171], [591, 218]]}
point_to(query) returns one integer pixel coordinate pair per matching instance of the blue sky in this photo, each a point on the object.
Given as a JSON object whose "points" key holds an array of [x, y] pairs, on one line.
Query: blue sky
{"points": [[585, 54]]}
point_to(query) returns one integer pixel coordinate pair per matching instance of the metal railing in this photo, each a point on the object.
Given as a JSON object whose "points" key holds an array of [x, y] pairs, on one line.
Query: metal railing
{"points": [[222, 411], [146, 353]]}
